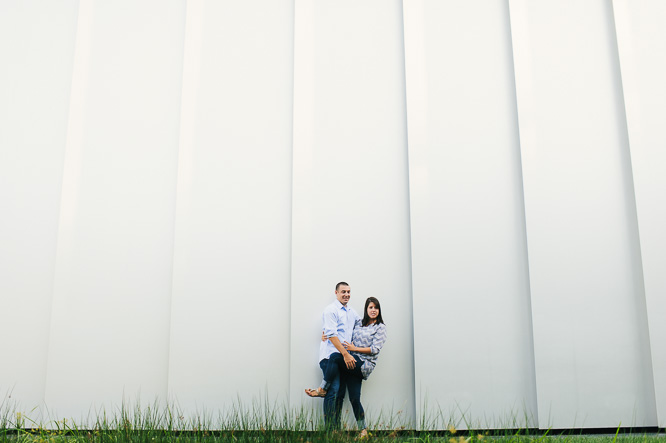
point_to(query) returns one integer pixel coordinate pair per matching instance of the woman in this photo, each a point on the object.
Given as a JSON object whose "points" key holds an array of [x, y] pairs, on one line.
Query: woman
{"points": [[368, 339]]}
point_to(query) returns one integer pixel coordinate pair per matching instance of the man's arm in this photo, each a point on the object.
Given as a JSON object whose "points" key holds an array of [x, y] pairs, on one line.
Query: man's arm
{"points": [[349, 360], [331, 330]]}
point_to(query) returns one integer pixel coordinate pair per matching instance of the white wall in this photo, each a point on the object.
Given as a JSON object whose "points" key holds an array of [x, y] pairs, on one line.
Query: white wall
{"points": [[111, 294], [37, 40], [641, 40], [230, 303], [350, 190], [588, 302], [469, 256], [184, 182]]}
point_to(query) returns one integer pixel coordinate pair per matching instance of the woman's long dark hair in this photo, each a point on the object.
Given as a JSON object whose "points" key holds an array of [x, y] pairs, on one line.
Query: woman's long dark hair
{"points": [[366, 317]]}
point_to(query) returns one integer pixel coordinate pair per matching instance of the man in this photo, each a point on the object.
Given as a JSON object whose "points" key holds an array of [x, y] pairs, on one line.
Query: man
{"points": [[338, 320]]}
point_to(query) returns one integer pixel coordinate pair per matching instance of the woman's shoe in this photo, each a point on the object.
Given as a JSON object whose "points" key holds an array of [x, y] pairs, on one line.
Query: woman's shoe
{"points": [[319, 392], [362, 435]]}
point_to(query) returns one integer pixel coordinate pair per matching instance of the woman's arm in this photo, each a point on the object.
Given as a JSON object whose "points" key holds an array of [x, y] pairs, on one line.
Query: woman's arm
{"points": [[351, 347], [378, 340]]}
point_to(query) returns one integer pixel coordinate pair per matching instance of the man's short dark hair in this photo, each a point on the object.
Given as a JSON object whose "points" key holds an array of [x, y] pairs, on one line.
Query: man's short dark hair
{"points": [[342, 283]]}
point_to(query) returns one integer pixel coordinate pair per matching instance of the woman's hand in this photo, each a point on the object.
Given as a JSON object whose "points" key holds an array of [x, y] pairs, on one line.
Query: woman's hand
{"points": [[349, 346]]}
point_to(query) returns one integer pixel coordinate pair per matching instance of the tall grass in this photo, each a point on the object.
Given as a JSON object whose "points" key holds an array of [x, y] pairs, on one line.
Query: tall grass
{"points": [[261, 421]]}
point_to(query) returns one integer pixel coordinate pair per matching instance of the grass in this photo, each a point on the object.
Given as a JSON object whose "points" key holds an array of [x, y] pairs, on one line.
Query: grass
{"points": [[262, 423]]}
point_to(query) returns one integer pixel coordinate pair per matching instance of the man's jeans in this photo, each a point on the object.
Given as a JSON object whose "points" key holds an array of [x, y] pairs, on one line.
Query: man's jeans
{"points": [[334, 396]]}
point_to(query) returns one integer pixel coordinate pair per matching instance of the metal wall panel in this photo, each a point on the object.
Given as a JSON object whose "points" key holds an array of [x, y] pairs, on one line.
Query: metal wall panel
{"points": [[112, 290], [230, 311], [474, 359], [350, 191], [592, 351], [641, 38], [162, 235], [37, 52]]}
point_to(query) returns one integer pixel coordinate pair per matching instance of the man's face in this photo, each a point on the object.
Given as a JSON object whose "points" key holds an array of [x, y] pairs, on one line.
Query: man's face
{"points": [[343, 293]]}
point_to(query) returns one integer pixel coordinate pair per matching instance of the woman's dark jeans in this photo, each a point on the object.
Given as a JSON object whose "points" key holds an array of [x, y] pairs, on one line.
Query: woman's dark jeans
{"points": [[335, 394], [350, 377]]}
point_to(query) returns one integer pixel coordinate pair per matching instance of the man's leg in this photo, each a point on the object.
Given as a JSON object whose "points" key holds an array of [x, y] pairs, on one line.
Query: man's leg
{"points": [[330, 401], [339, 400]]}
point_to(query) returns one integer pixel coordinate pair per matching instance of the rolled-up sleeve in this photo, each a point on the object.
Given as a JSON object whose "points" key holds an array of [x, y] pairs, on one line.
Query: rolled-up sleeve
{"points": [[330, 323], [378, 339]]}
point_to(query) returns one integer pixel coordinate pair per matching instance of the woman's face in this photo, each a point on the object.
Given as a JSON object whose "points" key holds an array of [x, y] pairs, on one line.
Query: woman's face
{"points": [[373, 311]]}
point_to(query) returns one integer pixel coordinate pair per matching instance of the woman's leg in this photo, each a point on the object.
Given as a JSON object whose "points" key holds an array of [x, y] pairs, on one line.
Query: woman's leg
{"points": [[332, 370], [330, 399], [354, 379]]}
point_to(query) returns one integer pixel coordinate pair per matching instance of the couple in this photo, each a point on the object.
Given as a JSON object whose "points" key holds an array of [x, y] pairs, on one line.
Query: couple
{"points": [[348, 354]]}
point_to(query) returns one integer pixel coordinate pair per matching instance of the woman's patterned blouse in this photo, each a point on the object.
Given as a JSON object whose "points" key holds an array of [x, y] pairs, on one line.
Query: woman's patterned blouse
{"points": [[372, 336]]}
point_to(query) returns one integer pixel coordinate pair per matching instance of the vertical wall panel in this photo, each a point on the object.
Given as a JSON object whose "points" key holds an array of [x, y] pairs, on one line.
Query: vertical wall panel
{"points": [[230, 312], [592, 353], [350, 191], [37, 52], [474, 359], [146, 223], [641, 39], [109, 331]]}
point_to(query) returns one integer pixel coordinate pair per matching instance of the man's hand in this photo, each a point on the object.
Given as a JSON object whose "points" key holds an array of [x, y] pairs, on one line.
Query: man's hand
{"points": [[349, 361], [323, 336]]}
